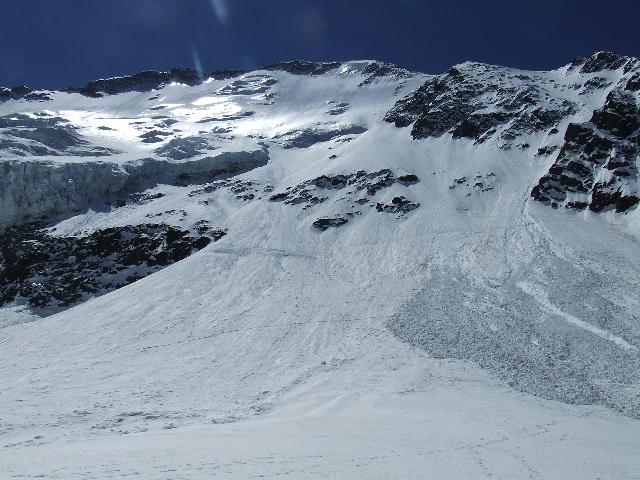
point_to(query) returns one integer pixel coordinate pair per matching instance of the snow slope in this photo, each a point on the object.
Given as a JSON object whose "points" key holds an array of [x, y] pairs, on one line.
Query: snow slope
{"points": [[433, 324]]}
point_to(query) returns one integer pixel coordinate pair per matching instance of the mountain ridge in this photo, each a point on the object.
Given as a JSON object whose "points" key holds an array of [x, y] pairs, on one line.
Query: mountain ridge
{"points": [[599, 61]]}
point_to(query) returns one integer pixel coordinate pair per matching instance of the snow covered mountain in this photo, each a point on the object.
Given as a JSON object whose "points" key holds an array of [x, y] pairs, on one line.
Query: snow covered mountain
{"points": [[343, 270]]}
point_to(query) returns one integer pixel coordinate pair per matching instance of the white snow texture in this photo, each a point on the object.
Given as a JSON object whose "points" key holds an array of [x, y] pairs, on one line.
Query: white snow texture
{"points": [[349, 325]]}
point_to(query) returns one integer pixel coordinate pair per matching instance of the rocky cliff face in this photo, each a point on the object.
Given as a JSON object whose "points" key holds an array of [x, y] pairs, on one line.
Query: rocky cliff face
{"points": [[480, 103], [597, 167], [52, 273], [596, 163]]}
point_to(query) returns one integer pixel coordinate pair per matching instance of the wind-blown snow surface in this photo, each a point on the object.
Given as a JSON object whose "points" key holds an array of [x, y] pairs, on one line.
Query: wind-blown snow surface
{"points": [[448, 326]]}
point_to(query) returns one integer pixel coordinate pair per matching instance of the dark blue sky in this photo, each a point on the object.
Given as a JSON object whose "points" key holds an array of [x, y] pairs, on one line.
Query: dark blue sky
{"points": [[56, 43]]}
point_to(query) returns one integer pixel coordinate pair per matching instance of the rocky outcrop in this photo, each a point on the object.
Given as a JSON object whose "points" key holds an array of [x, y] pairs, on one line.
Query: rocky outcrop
{"points": [[245, 190], [308, 137], [479, 102], [301, 67], [323, 224], [149, 80], [597, 165], [398, 205], [355, 191], [376, 70], [480, 183], [348, 191], [599, 62], [310, 192], [23, 92], [51, 272]]}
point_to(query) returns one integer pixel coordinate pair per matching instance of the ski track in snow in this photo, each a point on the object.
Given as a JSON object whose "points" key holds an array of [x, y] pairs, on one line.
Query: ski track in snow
{"points": [[537, 292]]}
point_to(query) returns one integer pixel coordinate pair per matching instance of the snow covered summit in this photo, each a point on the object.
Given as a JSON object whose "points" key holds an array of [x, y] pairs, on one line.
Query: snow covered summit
{"points": [[422, 273]]}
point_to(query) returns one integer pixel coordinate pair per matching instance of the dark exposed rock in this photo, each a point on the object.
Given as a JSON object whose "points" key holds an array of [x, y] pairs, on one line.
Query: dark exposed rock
{"points": [[409, 109], [479, 183], [398, 205], [375, 181], [308, 137], [22, 92], [372, 183], [536, 120], [329, 182], [597, 167], [299, 197], [376, 70], [351, 187], [56, 272], [577, 205], [225, 73], [458, 102], [603, 198], [633, 84], [237, 116], [139, 82], [546, 150], [620, 116], [142, 198], [575, 63], [301, 67], [601, 61], [149, 80], [243, 189], [323, 224], [278, 197], [408, 179], [476, 125], [154, 136], [227, 117], [595, 83]]}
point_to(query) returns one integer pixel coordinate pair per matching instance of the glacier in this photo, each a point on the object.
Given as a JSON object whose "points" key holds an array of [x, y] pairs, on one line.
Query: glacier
{"points": [[323, 270]]}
